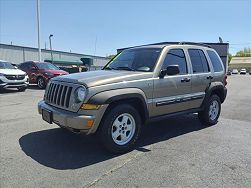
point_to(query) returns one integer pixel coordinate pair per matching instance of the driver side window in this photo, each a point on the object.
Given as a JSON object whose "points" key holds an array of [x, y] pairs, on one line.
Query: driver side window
{"points": [[176, 57]]}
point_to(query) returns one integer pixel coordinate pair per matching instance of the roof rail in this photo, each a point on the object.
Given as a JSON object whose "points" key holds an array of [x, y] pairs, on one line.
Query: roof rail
{"points": [[195, 43]]}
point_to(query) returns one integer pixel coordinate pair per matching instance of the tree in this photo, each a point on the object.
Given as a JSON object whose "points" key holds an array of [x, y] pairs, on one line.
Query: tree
{"points": [[246, 52], [229, 57], [110, 56]]}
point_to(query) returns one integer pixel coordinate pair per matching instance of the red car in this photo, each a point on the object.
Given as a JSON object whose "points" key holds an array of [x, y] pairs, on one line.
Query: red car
{"points": [[40, 72]]}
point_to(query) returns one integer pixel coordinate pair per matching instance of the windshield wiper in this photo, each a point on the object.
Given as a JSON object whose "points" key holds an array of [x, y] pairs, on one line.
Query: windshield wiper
{"points": [[125, 68]]}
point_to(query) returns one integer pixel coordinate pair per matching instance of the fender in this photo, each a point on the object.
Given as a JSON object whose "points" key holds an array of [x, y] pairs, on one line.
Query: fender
{"points": [[215, 86], [107, 97]]}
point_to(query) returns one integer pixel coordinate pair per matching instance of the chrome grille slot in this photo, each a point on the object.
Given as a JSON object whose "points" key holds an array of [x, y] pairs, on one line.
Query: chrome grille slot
{"points": [[60, 94], [63, 96], [68, 97], [15, 77]]}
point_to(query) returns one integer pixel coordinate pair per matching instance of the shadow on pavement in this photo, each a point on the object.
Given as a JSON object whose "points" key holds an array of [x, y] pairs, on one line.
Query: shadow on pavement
{"points": [[60, 149]]}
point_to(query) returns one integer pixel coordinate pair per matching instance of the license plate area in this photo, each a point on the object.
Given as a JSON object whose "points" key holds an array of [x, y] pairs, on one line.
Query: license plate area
{"points": [[47, 116]]}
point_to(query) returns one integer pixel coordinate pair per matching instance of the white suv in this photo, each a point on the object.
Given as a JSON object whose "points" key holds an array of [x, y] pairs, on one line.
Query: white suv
{"points": [[11, 77]]}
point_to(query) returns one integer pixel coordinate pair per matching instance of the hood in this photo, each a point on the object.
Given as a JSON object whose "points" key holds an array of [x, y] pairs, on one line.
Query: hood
{"points": [[12, 72], [103, 77], [58, 72]]}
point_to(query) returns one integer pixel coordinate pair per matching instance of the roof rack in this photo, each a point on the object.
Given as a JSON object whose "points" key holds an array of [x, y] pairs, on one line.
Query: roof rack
{"points": [[195, 43]]}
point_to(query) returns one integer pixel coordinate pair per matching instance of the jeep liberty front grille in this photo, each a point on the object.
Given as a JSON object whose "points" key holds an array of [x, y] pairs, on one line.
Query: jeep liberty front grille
{"points": [[61, 95]]}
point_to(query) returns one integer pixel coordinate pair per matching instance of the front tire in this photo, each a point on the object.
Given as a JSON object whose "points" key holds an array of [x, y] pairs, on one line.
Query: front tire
{"points": [[120, 129], [22, 89], [209, 116], [41, 83]]}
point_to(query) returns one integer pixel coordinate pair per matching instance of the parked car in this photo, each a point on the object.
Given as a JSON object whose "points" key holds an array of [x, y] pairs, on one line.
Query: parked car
{"points": [[41, 72], [11, 77], [235, 71], [250, 72], [243, 71], [137, 85], [229, 73]]}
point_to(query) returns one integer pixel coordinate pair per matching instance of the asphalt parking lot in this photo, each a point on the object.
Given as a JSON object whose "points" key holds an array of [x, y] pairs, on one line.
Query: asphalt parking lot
{"points": [[174, 152]]}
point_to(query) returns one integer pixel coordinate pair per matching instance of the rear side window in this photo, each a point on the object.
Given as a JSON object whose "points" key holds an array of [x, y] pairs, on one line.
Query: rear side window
{"points": [[23, 66], [216, 62], [198, 60], [176, 57]]}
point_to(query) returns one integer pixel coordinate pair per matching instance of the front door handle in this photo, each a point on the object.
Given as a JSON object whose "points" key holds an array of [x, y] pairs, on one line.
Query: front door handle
{"points": [[185, 80]]}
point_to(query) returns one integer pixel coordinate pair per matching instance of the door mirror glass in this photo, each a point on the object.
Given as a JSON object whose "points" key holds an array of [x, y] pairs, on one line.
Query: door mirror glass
{"points": [[172, 70]]}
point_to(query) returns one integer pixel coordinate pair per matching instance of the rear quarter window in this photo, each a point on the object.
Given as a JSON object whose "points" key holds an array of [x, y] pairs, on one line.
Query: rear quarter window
{"points": [[199, 61], [216, 62]]}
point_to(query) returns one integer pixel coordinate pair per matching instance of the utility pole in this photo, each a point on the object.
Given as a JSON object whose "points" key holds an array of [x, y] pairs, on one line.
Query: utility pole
{"points": [[38, 30], [51, 47]]}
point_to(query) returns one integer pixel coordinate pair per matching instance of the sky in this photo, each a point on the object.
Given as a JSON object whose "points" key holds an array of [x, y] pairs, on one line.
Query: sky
{"points": [[99, 27]]}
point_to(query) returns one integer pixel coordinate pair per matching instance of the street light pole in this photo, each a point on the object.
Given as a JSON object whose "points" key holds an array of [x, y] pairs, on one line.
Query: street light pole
{"points": [[51, 47], [38, 30]]}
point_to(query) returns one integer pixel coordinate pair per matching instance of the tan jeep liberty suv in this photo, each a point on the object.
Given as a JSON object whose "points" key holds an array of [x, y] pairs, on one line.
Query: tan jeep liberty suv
{"points": [[138, 84]]}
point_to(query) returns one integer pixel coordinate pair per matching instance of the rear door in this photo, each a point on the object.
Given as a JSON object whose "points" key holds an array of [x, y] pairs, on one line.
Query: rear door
{"points": [[201, 76], [170, 92]]}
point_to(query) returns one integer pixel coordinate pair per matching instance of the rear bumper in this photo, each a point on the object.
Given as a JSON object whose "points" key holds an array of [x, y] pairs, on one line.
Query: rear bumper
{"points": [[75, 122]]}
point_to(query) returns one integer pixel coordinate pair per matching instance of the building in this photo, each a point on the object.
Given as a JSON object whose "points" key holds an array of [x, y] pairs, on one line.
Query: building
{"points": [[240, 63], [18, 54]]}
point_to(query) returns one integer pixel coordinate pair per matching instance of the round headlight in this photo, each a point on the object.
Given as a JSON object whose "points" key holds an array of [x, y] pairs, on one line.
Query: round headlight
{"points": [[80, 94]]}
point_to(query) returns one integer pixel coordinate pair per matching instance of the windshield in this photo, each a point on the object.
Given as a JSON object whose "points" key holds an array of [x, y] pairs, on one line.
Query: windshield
{"points": [[143, 59], [47, 66], [6, 65]]}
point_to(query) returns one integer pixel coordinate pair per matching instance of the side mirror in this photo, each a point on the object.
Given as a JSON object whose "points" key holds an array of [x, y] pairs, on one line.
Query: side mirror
{"points": [[170, 70], [33, 68]]}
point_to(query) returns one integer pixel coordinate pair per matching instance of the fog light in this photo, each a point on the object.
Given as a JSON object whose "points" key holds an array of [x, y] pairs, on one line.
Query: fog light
{"points": [[90, 123], [90, 107]]}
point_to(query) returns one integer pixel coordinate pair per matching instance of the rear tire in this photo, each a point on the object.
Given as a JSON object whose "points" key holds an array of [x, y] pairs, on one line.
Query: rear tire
{"points": [[120, 128], [41, 83], [209, 116]]}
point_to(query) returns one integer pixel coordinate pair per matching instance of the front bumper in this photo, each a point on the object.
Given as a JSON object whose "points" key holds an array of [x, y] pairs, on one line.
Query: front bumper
{"points": [[14, 85], [5, 83], [72, 121]]}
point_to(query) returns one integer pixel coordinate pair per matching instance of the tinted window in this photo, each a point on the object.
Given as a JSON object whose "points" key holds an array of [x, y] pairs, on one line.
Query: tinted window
{"points": [[198, 60], [143, 59], [6, 65], [216, 62], [23, 66], [176, 57], [47, 66]]}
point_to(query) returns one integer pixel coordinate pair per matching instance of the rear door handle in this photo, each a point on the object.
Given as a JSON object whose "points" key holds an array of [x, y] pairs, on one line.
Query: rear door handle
{"points": [[210, 77], [185, 80]]}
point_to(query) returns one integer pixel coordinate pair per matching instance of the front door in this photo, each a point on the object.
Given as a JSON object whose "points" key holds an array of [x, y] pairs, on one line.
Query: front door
{"points": [[171, 93]]}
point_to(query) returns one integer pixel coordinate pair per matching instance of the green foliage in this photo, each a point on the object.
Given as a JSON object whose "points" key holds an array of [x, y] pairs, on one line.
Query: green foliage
{"points": [[246, 52], [229, 57], [110, 56]]}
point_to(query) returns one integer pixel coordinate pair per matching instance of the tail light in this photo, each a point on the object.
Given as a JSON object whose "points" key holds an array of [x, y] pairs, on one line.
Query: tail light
{"points": [[225, 79]]}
